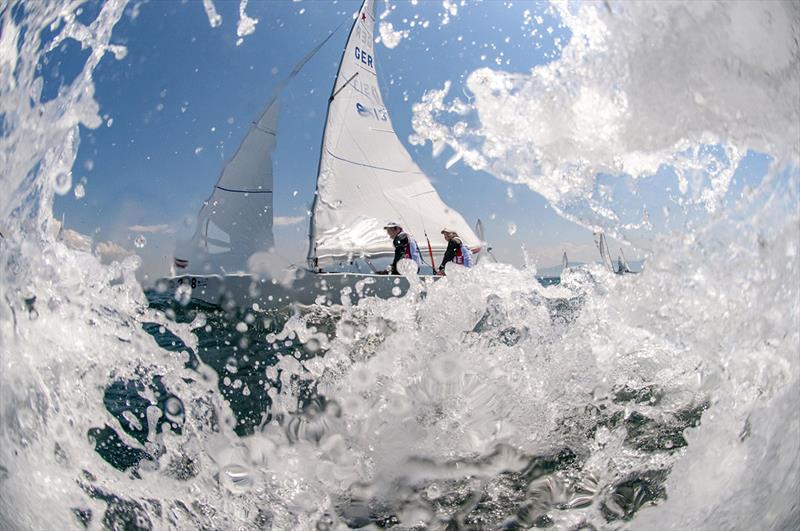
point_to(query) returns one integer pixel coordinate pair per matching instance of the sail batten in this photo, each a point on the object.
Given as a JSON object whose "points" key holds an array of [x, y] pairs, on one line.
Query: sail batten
{"points": [[366, 176], [243, 191]]}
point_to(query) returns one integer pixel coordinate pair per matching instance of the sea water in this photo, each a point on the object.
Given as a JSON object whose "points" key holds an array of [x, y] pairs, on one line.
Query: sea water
{"points": [[664, 400]]}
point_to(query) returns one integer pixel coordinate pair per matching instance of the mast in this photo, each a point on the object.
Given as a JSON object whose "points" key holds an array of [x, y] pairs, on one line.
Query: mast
{"points": [[311, 256]]}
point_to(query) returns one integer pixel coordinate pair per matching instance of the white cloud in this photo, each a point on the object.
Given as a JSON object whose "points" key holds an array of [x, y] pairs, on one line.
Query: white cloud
{"points": [[151, 228], [287, 220]]}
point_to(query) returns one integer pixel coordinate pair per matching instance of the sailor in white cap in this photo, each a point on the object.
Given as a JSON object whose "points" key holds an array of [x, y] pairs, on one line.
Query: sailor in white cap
{"points": [[456, 251], [405, 246]]}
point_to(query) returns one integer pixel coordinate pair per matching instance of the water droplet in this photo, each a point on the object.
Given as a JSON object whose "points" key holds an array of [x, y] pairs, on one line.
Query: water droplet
{"points": [[79, 191], [63, 182], [312, 345], [174, 406], [183, 294], [241, 327], [433, 491], [512, 228], [140, 241]]}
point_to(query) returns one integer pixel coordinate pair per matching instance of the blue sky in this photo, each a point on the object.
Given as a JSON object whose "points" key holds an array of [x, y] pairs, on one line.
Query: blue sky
{"points": [[178, 104]]}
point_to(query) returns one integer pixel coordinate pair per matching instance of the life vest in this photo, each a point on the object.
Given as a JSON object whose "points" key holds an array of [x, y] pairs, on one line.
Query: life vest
{"points": [[463, 256], [412, 251]]}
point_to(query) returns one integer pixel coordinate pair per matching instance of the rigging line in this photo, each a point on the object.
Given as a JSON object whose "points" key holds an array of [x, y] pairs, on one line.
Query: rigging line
{"points": [[430, 252], [296, 70], [343, 86], [425, 232], [369, 263]]}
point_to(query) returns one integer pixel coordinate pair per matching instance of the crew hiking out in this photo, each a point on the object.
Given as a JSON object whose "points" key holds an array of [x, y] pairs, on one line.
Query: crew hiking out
{"points": [[456, 252], [405, 246]]}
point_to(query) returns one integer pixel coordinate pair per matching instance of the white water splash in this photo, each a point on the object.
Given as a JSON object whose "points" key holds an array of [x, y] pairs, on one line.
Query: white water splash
{"points": [[246, 25], [214, 18], [638, 85], [691, 86], [427, 396], [389, 36]]}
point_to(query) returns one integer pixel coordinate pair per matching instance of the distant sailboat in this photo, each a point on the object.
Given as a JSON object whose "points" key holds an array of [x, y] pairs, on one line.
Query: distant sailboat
{"points": [[622, 264], [605, 257], [365, 178], [605, 254], [235, 222]]}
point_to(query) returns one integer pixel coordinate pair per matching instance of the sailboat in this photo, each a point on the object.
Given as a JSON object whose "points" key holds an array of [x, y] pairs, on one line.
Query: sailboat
{"points": [[365, 178], [622, 264], [605, 257], [605, 254]]}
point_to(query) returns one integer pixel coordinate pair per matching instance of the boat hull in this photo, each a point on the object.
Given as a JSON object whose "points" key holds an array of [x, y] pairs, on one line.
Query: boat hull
{"points": [[247, 291]]}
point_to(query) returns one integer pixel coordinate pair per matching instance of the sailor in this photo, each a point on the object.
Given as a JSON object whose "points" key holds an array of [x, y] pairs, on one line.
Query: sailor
{"points": [[405, 246], [456, 251]]}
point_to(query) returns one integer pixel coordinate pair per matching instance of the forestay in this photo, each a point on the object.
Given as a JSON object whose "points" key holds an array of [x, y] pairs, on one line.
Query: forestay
{"points": [[366, 177]]}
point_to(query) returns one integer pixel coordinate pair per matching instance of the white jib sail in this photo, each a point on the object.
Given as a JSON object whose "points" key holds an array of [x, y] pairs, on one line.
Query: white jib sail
{"points": [[366, 177], [236, 221]]}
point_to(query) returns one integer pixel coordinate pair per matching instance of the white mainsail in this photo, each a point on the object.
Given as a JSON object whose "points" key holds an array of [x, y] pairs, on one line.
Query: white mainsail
{"points": [[366, 177], [605, 255], [235, 222]]}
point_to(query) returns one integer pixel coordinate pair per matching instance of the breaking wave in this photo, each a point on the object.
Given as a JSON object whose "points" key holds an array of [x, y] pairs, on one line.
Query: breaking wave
{"points": [[661, 400]]}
